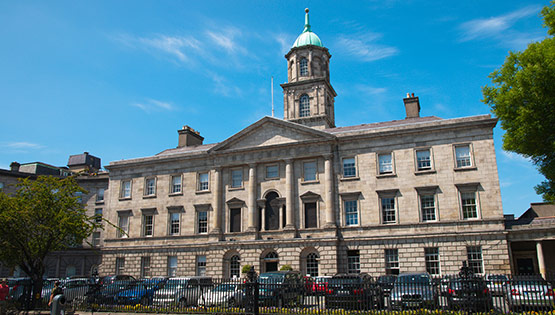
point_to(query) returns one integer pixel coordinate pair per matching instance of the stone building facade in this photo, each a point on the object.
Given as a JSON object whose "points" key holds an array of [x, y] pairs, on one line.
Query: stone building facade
{"points": [[414, 194]]}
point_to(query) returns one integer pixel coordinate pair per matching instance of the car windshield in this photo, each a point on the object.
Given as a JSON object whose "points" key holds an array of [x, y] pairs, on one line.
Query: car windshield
{"points": [[497, 278], [120, 285], [345, 280], [414, 279], [387, 279], [458, 283], [174, 283], [271, 278], [227, 287]]}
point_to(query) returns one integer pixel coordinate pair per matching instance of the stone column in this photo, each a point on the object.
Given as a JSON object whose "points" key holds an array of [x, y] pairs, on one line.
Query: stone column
{"points": [[289, 189], [251, 202], [328, 190], [217, 202], [541, 261]]}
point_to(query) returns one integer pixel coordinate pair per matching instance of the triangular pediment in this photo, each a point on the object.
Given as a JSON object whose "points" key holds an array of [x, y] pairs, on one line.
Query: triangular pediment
{"points": [[270, 131]]}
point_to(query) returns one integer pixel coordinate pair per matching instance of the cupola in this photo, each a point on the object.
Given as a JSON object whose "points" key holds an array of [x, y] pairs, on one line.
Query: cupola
{"points": [[307, 37]]}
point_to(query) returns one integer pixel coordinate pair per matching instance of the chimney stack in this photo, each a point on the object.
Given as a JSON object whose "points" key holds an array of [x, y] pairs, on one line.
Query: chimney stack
{"points": [[189, 137], [412, 106], [14, 167]]}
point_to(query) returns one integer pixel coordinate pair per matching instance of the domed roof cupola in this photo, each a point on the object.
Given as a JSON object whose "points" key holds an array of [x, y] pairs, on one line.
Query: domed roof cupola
{"points": [[307, 37]]}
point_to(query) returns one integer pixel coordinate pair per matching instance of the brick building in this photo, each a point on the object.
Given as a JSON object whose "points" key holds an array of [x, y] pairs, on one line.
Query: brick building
{"points": [[414, 194]]}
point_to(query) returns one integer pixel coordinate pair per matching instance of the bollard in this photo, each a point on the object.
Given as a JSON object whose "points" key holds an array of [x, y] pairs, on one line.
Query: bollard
{"points": [[58, 303]]}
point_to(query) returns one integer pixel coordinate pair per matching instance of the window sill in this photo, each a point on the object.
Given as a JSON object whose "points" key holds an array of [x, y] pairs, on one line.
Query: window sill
{"points": [[149, 197], [386, 175], [308, 182], [176, 194], [235, 188], [470, 219], [124, 198], [346, 179], [467, 168], [389, 223], [98, 202], [424, 172], [200, 192], [271, 178]]}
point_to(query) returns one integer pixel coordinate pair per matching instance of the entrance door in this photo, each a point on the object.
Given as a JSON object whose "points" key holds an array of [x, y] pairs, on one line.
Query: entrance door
{"points": [[271, 266], [525, 266]]}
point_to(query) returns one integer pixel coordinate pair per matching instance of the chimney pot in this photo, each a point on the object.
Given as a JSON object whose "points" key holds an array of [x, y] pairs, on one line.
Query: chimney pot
{"points": [[189, 137], [14, 167]]}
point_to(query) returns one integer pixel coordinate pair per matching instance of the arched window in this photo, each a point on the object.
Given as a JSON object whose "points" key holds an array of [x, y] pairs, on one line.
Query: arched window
{"points": [[312, 264], [304, 106], [303, 65], [234, 267]]}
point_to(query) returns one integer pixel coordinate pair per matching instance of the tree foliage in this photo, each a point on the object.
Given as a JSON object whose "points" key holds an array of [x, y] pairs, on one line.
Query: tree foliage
{"points": [[43, 216], [523, 98]]}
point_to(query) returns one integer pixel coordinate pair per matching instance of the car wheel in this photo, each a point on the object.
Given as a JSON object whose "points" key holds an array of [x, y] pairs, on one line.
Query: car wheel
{"points": [[231, 302]]}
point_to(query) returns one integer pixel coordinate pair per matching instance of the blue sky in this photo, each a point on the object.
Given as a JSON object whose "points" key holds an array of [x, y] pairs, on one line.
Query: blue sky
{"points": [[118, 78]]}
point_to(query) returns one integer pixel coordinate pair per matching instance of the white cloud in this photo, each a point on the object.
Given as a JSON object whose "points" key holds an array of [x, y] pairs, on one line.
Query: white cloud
{"points": [[365, 48], [500, 28], [516, 157], [285, 41], [22, 145], [371, 90], [154, 105], [226, 38]]}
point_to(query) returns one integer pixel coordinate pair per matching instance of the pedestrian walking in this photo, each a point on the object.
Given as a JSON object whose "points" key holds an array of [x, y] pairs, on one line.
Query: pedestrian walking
{"points": [[4, 294]]}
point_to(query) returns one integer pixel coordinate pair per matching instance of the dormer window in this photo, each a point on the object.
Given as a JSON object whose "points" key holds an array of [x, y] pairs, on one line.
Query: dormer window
{"points": [[303, 65], [304, 106]]}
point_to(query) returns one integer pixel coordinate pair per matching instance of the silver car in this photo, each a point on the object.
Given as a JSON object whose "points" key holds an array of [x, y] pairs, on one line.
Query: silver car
{"points": [[226, 294], [529, 293], [413, 290], [182, 292], [497, 284]]}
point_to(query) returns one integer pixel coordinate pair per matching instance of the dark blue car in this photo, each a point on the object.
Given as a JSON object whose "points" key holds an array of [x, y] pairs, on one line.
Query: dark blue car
{"points": [[140, 293]]}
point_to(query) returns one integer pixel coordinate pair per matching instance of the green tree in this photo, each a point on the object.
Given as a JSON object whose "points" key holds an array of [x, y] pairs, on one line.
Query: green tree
{"points": [[43, 216], [523, 98]]}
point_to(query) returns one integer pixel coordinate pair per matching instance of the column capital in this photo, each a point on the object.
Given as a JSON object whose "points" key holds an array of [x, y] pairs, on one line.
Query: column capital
{"points": [[288, 160], [252, 165], [327, 156]]}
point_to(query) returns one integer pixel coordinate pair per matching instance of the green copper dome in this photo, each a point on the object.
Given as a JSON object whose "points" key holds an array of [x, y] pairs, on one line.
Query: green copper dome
{"points": [[307, 37]]}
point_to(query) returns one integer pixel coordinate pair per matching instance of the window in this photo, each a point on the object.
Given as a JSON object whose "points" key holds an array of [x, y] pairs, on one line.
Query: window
{"points": [[176, 184], [79, 196], [423, 160], [272, 171], [148, 224], [349, 167], [123, 225], [468, 204], [172, 266], [100, 195], [234, 267], [98, 215], [145, 267], [203, 181], [312, 264], [462, 156], [392, 261], [125, 189], [310, 217], [389, 213], [175, 218], [237, 178], [303, 65], [120, 265], [474, 255], [235, 220], [353, 261], [1, 185], [96, 239], [428, 208], [431, 255], [351, 212], [202, 222], [309, 171], [201, 266], [304, 106], [385, 162]]}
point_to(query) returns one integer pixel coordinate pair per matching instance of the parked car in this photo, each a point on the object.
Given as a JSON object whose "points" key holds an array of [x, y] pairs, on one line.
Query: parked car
{"points": [[75, 290], [354, 291], [226, 294], [413, 290], [318, 285], [470, 294], [529, 293], [182, 291], [281, 288], [142, 292], [110, 279], [387, 282], [105, 294], [497, 284]]}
